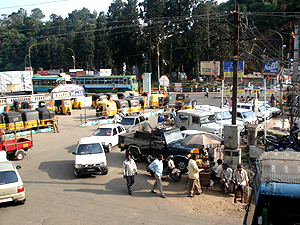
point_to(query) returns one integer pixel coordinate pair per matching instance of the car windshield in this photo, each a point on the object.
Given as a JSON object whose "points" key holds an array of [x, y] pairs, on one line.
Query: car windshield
{"points": [[127, 121], [226, 115], [173, 136], [262, 108], [187, 103], [85, 149], [248, 114], [7, 177], [207, 119], [102, 132]]}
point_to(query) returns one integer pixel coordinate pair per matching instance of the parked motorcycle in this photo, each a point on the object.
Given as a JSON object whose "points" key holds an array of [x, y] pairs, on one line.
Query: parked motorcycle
{"points": [[259, 137], [280, 143], [169, 168]]}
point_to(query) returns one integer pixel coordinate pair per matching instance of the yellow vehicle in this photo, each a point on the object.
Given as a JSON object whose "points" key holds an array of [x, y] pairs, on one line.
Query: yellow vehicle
{"points": [[46, 104], [106, 108], [30, 118], [76, 103], [95, 97], [120, 103], [132, 93], [180, 98], [63, 107], [17, 105], [134, 105], [29, 105], [2, 122], [45, 116], [113, 96], [189, 103], [13, 120], [158, 101]]}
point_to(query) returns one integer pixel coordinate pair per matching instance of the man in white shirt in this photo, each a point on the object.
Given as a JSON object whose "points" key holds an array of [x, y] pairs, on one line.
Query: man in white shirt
{"points": [[194, 182], [157, 167], [240, 177], [129, 170], [216, 174], [226, 177]]}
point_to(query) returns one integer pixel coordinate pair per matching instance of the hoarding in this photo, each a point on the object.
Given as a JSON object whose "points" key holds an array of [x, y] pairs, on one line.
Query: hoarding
{"points": [[210, 68], [105, 72], [21, 78], [177, 87], [42, 72], [271, 66], [228, 69], [66, 91]]}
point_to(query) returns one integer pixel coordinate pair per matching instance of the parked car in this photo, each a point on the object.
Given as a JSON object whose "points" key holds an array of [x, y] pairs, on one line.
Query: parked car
{"points": [[260, 112], [131, 123], [274, 110], [11, 185], [89, 157], [246, 116], [108, 135]]}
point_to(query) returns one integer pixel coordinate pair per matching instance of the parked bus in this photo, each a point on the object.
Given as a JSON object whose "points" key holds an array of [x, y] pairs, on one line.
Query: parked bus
{"points": [[46, 83], [108, 83]]}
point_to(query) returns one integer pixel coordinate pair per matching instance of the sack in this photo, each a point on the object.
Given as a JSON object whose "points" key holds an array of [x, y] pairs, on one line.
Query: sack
{"points": [[247, 193]]}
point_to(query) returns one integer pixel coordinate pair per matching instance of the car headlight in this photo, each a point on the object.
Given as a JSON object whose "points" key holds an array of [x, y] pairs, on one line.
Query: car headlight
{"points": [[102, 164], [78, 165]]}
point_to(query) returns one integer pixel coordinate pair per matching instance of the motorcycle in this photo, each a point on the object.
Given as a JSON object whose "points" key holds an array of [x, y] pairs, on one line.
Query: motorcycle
{"points": [[281, 143], [169, 168], [259, 137]]}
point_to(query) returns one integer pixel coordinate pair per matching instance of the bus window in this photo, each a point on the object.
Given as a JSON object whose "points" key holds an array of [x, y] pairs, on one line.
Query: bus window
{"points": [[100, 81], [125, 81], [128, 81], [108, 81], [87, 81], [94, 81], [133, 80]]}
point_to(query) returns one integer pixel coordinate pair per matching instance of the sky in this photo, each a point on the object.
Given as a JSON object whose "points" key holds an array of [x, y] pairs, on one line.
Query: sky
{"points": [[58, 7]]}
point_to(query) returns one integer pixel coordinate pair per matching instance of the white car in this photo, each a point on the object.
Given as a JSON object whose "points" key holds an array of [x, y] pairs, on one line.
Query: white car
{"points": [[274, 110], [261, 113], [108, 135], [90, 157], [11, 185], [246, 116]]}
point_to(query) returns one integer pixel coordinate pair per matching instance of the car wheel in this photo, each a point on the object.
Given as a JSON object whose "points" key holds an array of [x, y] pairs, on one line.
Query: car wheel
{"points": [[109, 148], [22, 202], [181, 164], [106, 171], [176, 176], [76, 174], [135, 155], [20, 155]]}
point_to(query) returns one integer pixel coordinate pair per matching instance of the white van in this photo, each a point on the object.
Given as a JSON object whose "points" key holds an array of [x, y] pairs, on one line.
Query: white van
{"points": [[246, 116], [222, 116], [90, 157], [260, 112], [192, 119]]}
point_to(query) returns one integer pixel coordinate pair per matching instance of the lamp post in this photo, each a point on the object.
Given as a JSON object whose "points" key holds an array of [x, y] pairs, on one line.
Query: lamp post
{"points": [[25, 62], [29, 55], [73, 57], [280, 75]]}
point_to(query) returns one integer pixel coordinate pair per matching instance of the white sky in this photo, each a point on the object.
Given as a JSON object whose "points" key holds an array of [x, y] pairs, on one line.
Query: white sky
{"points": [[58, 7]]}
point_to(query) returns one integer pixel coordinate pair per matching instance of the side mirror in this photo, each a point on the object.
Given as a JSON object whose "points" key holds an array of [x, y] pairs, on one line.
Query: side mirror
{"points": [[74, 153], [18, 167]]}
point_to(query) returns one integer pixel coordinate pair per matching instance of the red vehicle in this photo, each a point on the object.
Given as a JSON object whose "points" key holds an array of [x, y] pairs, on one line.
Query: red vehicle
{"points": [[15, 147]]}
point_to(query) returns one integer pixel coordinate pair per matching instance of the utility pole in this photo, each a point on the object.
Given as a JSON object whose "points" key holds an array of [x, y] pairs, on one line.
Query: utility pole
{"points": [[208, 35], [235, 61], [295, 73]]}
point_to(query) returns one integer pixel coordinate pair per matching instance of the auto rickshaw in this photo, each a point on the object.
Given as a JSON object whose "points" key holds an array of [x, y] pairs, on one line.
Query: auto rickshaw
{"points": [[29, 105], [114, 96], [122, 95], [94, 99], [2, 122], [46, 104], [17, 105], [189, 103], [63, 107], [132, 93], [180, 98], [30, 118], [13, 120], [76, 103], [120, 103], [158, 101], [106, 108], [134, 105], [141, 101], [45, 116]]}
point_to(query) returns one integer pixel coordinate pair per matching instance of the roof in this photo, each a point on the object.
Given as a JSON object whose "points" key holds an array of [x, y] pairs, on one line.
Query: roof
{"points": [[194, 112], [112, 125], [6, 165], [88, 140], [241, 110], [210, 108], [280, 167]]}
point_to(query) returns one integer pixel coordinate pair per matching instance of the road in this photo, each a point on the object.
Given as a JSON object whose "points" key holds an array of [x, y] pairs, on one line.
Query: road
{"points": [[55, 196]]}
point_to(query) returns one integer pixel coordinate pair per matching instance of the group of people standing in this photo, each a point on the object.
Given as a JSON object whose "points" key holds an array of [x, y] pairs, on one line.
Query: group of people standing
{"points": [[171, 120]]}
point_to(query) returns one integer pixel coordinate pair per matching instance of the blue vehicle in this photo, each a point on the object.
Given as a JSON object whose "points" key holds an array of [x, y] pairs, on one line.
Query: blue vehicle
{"points": [[46, 83], [275, 193]]}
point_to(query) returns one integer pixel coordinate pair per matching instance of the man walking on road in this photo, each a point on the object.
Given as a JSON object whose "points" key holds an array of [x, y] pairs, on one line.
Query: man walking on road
{"points": [[194, 182], [55, 124], [129, 170], [157, 167]]}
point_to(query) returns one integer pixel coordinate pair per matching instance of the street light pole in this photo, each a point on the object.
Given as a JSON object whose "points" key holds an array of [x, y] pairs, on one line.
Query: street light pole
{"points": [[29, 55], [73, 57], [25, 62]]}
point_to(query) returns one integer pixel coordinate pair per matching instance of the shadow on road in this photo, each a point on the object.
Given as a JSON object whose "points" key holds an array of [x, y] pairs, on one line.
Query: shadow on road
{"points": [[61, 170], [71, 148]]}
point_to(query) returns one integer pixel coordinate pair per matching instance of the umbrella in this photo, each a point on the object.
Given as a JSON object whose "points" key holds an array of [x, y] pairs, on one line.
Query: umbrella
{"points": [[203, 140]]}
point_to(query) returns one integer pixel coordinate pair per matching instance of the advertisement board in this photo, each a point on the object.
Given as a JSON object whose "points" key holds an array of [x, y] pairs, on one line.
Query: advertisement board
{"points": [[64, 91], [177, 87], [271, 66], [228, 69], [42, 72], [210, 68], [105, 72]]}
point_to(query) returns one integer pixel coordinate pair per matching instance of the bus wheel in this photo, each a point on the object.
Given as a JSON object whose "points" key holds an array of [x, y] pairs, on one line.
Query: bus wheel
{"points": [[69, 113], [91, 91], [121, 90]]}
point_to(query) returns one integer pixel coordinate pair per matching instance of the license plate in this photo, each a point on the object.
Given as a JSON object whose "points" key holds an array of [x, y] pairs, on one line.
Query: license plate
{"points": [[6, 200], [90, 170], [122, 145]]}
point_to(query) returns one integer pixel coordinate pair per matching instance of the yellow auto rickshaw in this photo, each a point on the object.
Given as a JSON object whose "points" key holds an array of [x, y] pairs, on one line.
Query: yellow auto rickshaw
{"points": [[76, 103], [180, 98], [46, 104], [13, 120], [106, 108], [132, 93], [189, 103], [95, 97], [112, 96], [17, 105], [45, 116], [120, 104], [158, 101], [30, 118], [29, 105], [134, 105], [63, 107]]}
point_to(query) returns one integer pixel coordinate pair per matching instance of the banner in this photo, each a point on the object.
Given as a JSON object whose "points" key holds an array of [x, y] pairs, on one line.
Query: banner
{"points": [[240, 92], [66, 91], [225, 92], [271, 66], [210, 68], [177, 87], [270, 91], [228, 69], [43, 72], [254, 91]]}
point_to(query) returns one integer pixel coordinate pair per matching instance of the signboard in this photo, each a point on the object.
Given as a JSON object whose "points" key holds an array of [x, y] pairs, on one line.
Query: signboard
{"points": [[65, 91], [72, 72], [270, 91], [228, 69], [42, 72], [54, 72], [177, 87], [240, 92], [147, 82], [164, 81], [254, 91], [12, 87], [225, 92], [105, 72], [210, 68], [271, 66]]}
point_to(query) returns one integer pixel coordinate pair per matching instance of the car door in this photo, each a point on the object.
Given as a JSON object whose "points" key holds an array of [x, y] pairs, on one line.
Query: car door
{"points": [[195, 123], [158, 145], [115, 138]]}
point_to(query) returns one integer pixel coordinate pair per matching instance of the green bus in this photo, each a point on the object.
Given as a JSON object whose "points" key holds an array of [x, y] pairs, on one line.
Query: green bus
{"points": [[96, 84]]}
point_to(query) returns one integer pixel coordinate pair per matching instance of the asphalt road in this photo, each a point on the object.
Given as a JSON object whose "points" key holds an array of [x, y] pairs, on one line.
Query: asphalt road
{"points": [[55, 196]]}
